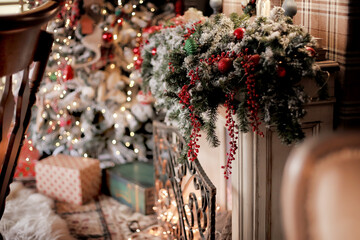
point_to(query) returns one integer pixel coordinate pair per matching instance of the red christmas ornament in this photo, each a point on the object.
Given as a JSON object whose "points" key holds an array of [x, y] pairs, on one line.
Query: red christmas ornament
{"points": [[225, 65], [120, 22], [153, 51], [136, 50], [239, 33], [68, 73], [107, 37], [255, 59], [138, 63], [311, 51], [65, 122], [281, 72]]}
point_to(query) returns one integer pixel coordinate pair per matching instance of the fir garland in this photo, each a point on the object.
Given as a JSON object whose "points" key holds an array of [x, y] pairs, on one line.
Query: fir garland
{"points": [[200, 65]]}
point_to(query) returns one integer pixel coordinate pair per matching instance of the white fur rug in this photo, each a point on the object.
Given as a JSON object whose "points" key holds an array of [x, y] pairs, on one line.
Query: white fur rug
{"points": [[29, 215]]}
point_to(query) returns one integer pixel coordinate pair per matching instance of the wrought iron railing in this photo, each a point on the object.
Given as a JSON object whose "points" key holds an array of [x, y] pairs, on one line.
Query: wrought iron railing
{"points": [[185, 196]]}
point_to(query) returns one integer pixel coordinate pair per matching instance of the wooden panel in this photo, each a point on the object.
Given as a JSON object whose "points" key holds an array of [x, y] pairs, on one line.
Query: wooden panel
{"points": [[212, 159], [258, 169], [276, 156]]}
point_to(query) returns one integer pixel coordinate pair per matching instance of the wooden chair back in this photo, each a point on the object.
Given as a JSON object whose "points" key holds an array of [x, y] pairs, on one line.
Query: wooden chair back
{"points": [[320, 189], [25, 47]]}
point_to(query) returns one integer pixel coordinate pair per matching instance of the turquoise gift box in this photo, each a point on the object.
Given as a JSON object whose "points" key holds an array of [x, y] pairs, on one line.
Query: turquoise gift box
{"points": [[133, 185]]}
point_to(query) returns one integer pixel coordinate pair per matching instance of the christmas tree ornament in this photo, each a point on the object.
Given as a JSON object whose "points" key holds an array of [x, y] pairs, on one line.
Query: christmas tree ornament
{"points": [[136, 50], [153, 51], [107, 37], [190, 46], [53, 77], [239, 33], [311, 51], [281, 71], [138, 63], [255, 59], [225, 65], [68, 73]]}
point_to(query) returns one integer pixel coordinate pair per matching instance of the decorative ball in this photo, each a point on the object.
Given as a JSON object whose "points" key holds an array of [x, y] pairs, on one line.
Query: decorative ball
{"points": [[107, 37], [311, 51], [281, 71], [53, 77], [138, 63], [68, 73], [136, 50], [190, 46], [153, 51], [225, 65], [255, 59], [239, 33]]}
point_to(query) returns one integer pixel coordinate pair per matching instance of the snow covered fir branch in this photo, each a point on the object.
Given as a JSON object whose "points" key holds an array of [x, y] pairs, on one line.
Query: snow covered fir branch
{"points": [[251, 66]]}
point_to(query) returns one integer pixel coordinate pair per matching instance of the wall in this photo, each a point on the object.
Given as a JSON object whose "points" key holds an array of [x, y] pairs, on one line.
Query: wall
{"points": [[336, 23]]}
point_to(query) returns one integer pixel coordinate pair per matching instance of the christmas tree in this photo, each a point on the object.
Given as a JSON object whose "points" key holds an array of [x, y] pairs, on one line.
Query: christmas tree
{"points": [[89, 103]]}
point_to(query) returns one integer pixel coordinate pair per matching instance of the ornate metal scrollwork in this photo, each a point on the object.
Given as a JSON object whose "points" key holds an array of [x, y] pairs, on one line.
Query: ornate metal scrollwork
{"points": [[185, 196]]}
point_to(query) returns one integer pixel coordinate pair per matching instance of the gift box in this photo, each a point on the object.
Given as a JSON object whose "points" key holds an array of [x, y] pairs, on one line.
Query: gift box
{"points": [[69, 179], [133, 184]]}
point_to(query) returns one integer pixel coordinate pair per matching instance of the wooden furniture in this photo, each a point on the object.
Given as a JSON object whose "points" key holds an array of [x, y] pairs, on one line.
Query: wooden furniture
{"points": [[22, 42], [320, 189]]}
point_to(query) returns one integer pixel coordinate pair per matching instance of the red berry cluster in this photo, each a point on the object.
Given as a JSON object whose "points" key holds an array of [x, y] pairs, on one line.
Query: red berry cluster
{"points": [[184, 96], [214, 59], [249, 63], [171, 67], [191, 30], [233, 133]]}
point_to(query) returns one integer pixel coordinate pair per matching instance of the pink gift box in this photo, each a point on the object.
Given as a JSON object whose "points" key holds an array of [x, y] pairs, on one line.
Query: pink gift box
{"points": [[69, 179]]}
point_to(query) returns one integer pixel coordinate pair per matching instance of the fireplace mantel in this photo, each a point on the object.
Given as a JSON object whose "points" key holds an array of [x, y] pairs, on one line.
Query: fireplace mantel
{"points": [[254, 190]]}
